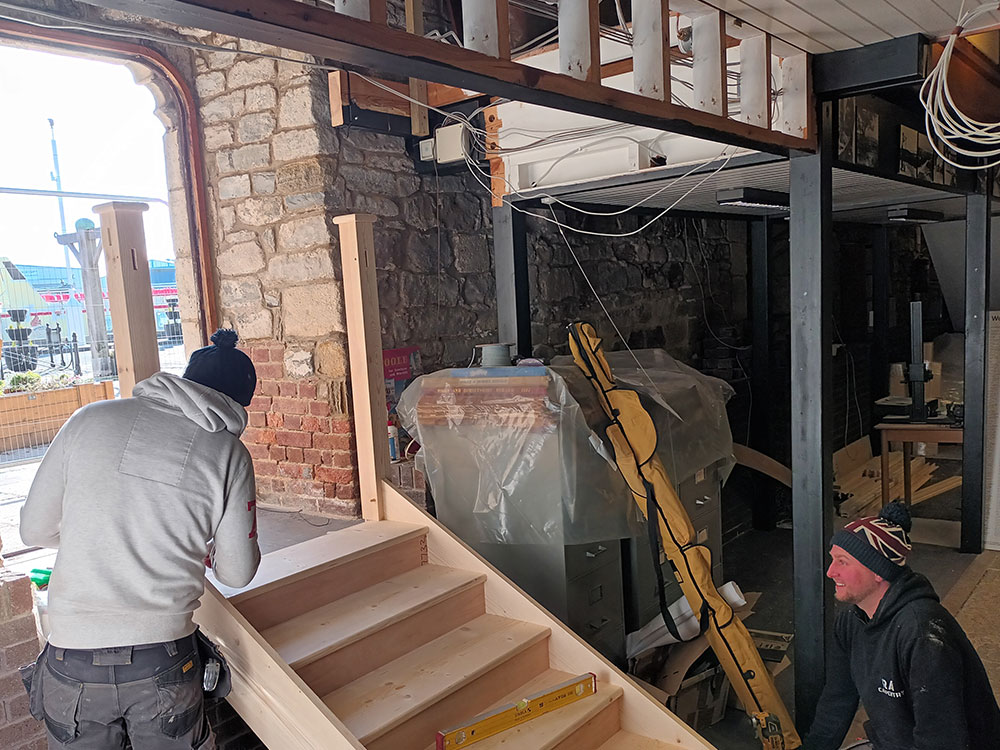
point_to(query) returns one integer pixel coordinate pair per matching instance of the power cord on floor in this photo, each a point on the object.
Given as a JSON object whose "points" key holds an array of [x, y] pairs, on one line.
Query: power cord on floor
{"points": [[300, 513]]}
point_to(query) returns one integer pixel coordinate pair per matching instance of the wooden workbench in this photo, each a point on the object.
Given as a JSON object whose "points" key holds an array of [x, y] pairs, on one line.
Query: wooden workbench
{"points": [[908, 433]]}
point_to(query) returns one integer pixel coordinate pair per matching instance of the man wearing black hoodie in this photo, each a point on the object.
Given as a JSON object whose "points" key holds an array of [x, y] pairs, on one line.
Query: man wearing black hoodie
{"points": [[899, 651]]}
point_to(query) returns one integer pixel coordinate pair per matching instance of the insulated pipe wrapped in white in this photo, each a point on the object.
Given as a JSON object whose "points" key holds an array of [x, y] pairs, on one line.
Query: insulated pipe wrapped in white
{"points": [[655, 632]]}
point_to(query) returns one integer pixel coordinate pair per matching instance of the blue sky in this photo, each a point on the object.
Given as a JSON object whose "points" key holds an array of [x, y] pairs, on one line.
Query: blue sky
{"points": [[109, 142]]}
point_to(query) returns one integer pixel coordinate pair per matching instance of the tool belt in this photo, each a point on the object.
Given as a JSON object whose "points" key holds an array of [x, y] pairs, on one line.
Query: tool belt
{"points": [[218, 679]]}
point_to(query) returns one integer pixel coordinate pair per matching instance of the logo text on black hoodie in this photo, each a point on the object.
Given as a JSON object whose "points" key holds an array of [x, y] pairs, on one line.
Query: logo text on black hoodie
{"points": [[889, 689]]}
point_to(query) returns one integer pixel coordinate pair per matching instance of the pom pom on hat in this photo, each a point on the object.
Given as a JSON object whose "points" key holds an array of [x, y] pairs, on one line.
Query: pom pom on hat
{"points": [[880, 543], [898, 515], [225, 337], [224, 367]]}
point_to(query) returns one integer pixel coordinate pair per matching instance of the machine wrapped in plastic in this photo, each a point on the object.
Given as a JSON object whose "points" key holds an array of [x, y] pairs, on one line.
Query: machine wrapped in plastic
{"points": [[510, 459], [518, 468]]}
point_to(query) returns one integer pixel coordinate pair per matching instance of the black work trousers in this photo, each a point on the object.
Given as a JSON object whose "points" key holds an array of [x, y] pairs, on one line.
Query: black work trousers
{"points": [[95, 699]]}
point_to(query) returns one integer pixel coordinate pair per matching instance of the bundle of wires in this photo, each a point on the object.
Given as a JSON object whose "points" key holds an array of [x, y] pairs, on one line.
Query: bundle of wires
{"points": [[957, 138]]}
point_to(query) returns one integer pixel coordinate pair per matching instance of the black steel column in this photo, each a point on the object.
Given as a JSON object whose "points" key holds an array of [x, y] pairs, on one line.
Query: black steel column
{"points": [[811, 188], [977, 274], [510, 260], [880, 314], [760, 418]]}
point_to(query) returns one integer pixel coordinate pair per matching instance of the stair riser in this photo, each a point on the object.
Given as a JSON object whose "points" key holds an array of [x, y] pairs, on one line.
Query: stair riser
{"points": [[463, 704], [293, 599], [593, 733], [351, 662]]}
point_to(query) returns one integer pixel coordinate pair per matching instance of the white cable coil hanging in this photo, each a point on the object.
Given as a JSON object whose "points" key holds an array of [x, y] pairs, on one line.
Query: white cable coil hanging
{"points": [[948, 127]]}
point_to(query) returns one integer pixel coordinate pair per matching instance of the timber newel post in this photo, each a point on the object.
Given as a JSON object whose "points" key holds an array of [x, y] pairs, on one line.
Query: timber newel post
{"points": [[130, 293], [364, 341]]}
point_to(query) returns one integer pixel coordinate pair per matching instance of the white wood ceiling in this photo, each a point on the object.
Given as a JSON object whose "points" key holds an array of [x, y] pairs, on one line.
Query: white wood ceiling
{"points": [[825, 25], [856, 196]]}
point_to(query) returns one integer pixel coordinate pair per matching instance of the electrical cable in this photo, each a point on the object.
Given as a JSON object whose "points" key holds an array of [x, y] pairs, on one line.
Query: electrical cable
{"points": [[850, 371], [528, 46], [708, 326], [611, 320], [621, 20], [613, 235], [477, 172], [300, 513], [948, 127]]}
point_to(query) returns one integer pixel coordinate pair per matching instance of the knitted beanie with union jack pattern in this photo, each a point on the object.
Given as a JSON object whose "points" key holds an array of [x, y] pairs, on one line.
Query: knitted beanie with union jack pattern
{"points": [[880, 543]]}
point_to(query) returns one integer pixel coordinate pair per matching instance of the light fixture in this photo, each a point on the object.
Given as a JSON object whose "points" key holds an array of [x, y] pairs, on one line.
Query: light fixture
{"points": [[752, 198], [914, 215]]}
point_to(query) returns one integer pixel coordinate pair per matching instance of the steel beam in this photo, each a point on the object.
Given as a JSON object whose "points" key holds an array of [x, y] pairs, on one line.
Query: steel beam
{"points": [[882, 65], [811, 189], [760, 419], [510, 260], [364, 46], [879, 386], [977, 274]]}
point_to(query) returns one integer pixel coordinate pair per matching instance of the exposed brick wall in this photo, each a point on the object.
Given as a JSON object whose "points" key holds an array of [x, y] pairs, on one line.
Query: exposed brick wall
{"points": [[18, 646], [299, 446]]}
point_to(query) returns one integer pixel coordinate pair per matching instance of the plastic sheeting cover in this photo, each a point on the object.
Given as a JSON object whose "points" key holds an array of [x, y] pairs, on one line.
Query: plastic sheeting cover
{"points": [[512, 457], [511, 445], [687, 406]]}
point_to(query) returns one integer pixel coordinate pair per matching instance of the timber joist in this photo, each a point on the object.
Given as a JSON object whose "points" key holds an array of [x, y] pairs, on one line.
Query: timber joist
{"points": [[483, 64]]}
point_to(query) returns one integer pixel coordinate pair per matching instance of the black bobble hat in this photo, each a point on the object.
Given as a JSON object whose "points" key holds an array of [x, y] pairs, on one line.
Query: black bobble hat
{"points": [[224, 367]]}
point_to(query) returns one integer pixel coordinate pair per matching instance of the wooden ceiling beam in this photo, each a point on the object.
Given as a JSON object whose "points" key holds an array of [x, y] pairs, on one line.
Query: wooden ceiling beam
{"points": [[973, 79], [362, 45]]}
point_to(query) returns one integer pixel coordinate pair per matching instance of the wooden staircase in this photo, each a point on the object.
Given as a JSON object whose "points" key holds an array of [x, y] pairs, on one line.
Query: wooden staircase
{"points": [[384, 633], [374, 636]]}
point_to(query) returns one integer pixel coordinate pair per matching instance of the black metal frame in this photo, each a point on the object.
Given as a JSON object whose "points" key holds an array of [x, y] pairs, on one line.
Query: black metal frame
{"points": [[977, 274], [894, 62], [759, 233], [811, 188], [881, 270]]}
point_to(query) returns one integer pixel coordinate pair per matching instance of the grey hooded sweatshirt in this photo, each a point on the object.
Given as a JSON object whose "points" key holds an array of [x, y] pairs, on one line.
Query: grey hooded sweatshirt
{"points": [[132, 492]]}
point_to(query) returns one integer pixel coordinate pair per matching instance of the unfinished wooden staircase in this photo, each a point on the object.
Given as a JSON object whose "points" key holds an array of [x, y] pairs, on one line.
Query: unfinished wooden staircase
{"points": [[375, 636], [384, 633]]}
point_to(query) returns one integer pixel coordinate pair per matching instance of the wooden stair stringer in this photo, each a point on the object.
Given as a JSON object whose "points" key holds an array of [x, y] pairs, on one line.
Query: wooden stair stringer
{"points": [[274, 701], [640, 714]]}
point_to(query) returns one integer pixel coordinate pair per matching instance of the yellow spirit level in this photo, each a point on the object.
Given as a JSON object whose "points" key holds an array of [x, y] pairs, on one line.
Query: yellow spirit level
{"points": [[514, 714]]}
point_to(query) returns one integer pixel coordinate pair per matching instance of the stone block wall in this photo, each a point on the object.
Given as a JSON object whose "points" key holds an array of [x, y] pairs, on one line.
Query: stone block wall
{"points": [[272, 169], [676, 285]]}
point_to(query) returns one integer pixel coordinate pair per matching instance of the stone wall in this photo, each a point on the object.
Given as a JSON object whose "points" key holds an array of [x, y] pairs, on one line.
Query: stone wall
{"points": [[277, 174], [272, 170], [671, 286]]}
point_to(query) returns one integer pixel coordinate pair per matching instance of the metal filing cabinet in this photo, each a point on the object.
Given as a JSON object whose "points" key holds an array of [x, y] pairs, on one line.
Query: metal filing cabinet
{"points": [[581, 584]]}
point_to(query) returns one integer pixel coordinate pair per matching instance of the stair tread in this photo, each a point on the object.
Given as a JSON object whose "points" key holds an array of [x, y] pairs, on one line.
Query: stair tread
{"points": [[390, 695], [320, 553], [628, 741], [321, 631], [548, 730]]}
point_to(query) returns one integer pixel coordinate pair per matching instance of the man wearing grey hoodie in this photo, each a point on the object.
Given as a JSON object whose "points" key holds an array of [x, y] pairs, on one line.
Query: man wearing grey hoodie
{"points": [[133, 493]]}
